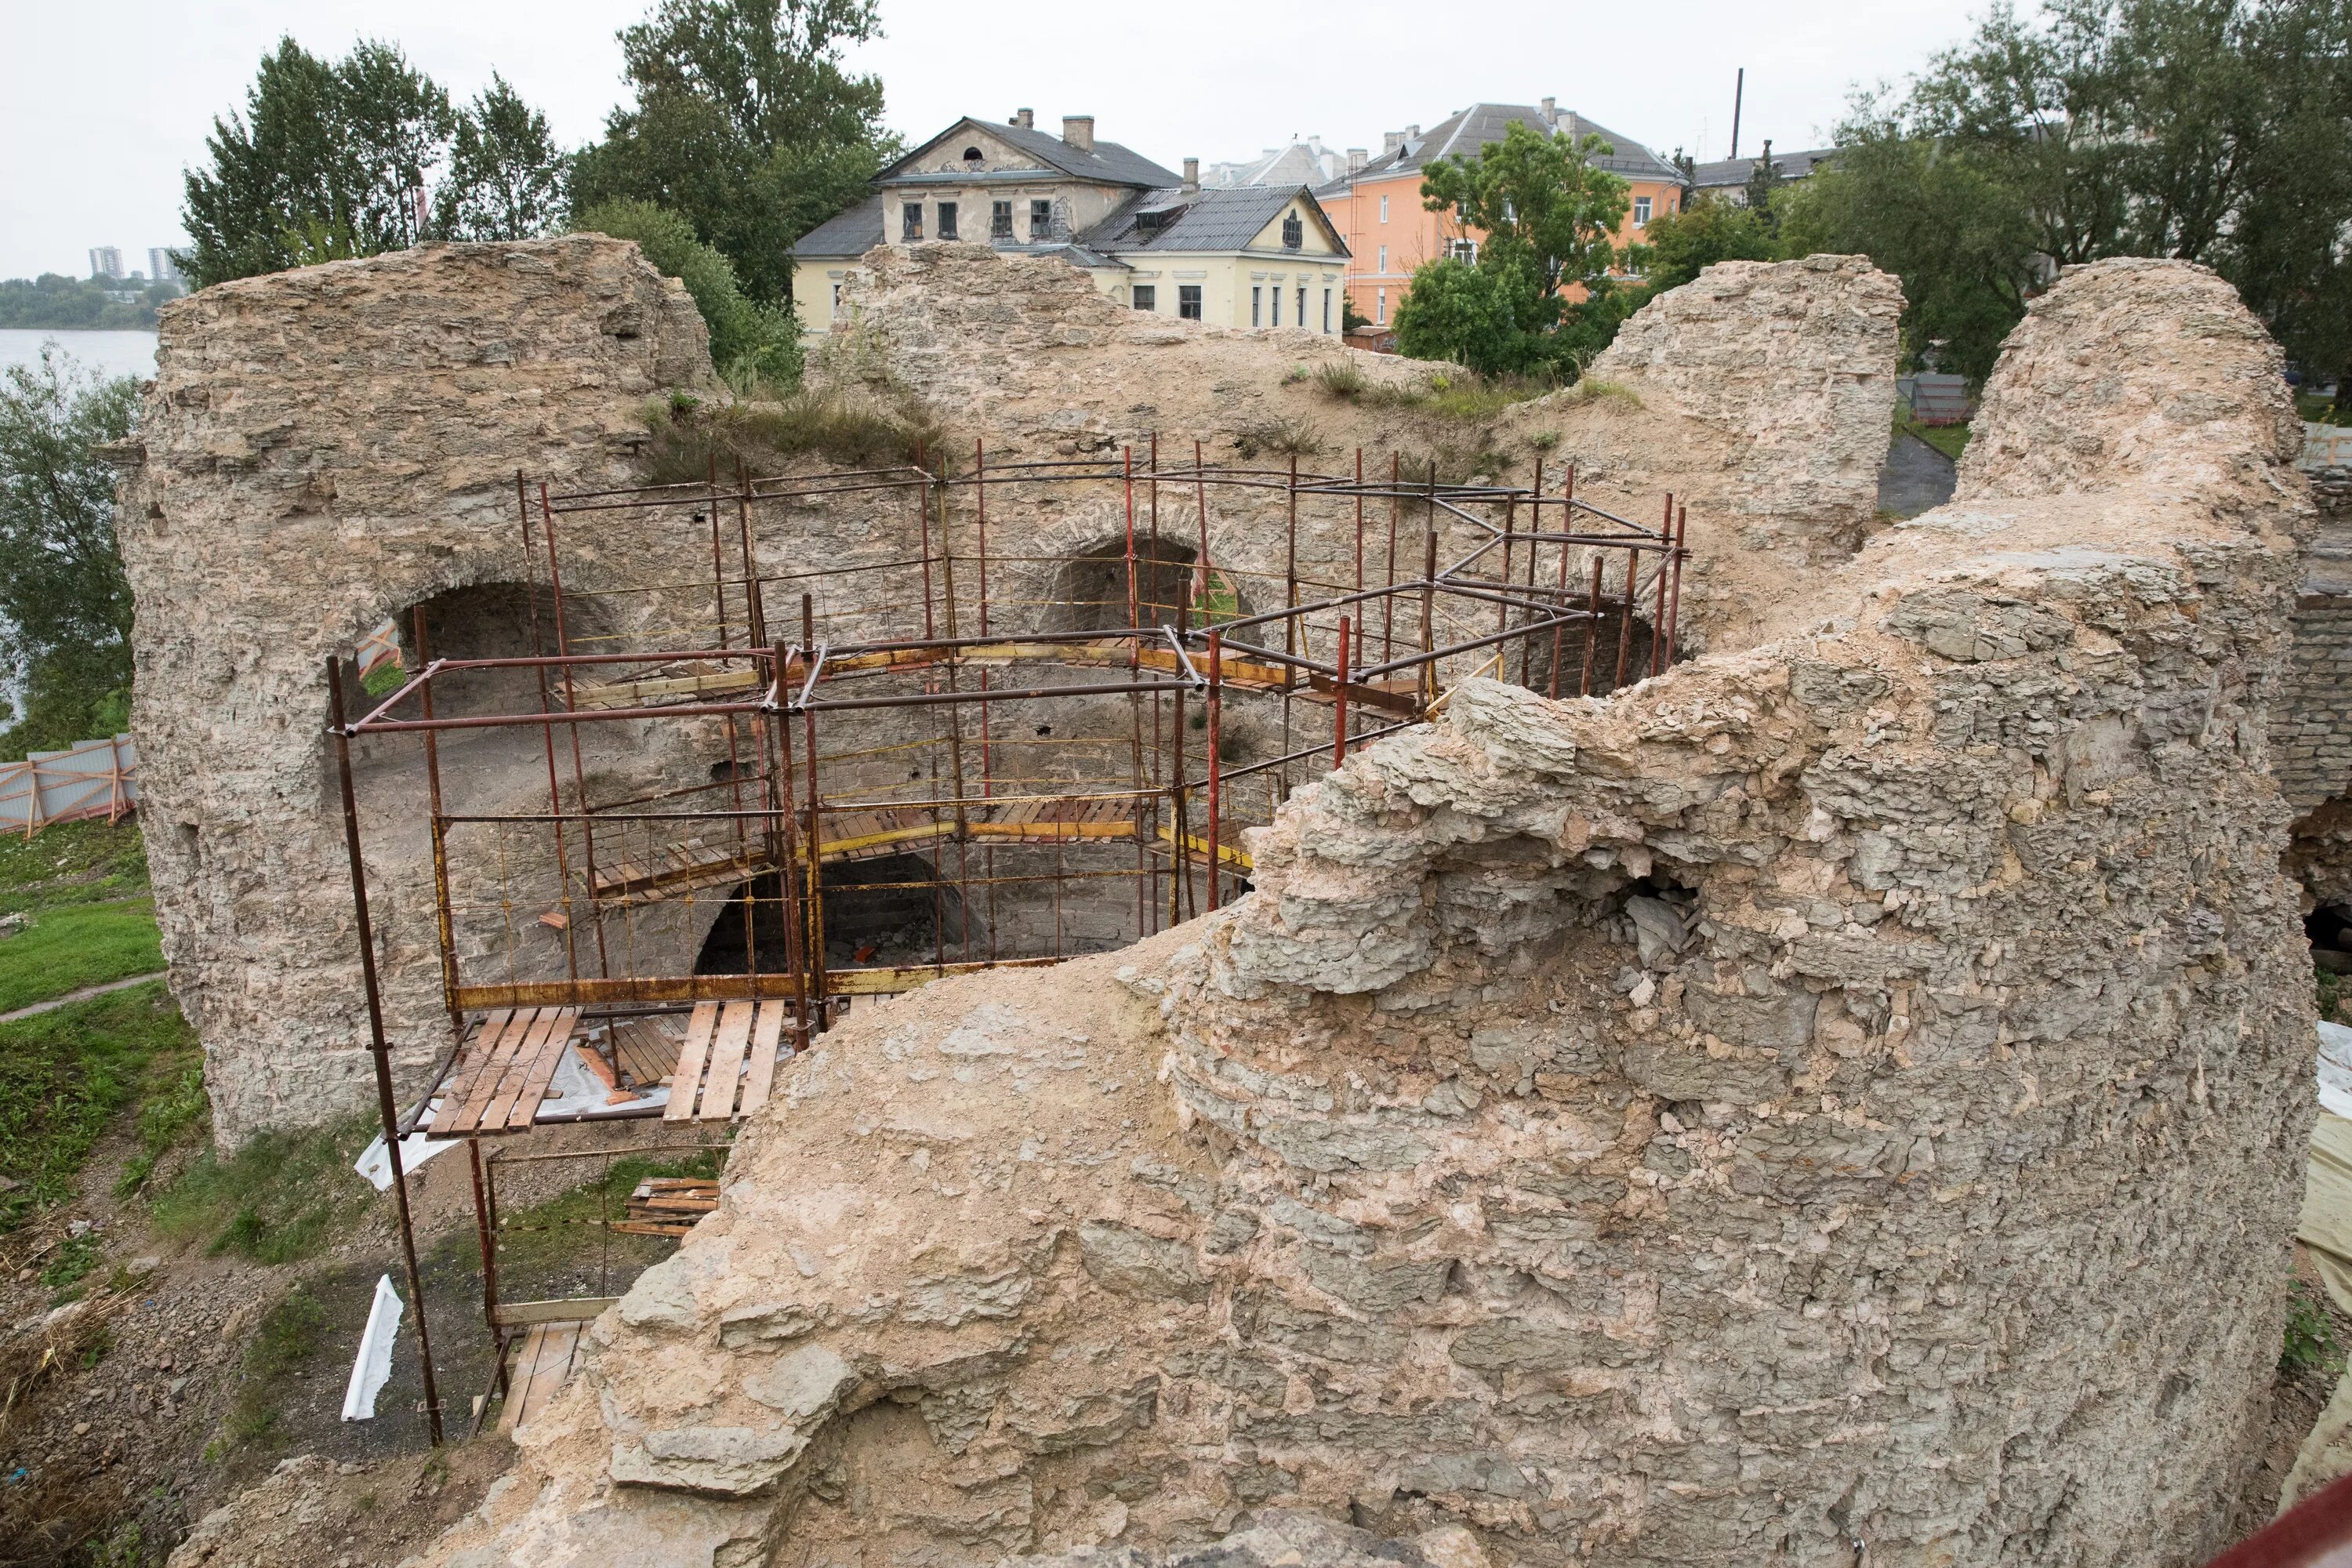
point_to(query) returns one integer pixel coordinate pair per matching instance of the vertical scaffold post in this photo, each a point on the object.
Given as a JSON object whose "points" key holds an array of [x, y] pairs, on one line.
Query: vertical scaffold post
{"points": [[1388, 600], [815, 841], [1503, 599], [571, 705], [484, 1237], [1535, 531], [1625, 627], [1560, 628], [1429, 594], [1339, 701], [987, 749], [378, 1046], [441, 917], [1216, 768], [547, 733], [1591, 627], [1134, 707], [1658, 610], [780, 804], [1675, 593]]}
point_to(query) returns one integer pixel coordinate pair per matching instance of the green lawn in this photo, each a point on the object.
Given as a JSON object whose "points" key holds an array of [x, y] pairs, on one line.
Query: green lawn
{"points": [[72, 946], [1949, 439], [65, 1074], [72, 863]]}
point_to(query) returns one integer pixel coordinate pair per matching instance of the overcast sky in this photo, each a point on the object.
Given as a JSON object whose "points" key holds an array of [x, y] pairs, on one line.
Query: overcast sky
{"points": [[101, 111]]}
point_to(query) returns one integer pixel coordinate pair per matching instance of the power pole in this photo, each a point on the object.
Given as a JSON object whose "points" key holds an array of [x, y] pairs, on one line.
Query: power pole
{"points": [[1738, 91]]}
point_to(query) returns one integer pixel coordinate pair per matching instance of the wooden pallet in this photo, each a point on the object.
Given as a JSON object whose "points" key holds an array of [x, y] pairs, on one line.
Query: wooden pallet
{"points": [[502, 1075], [669, 1206], [727, 1066], [543, 1359]]}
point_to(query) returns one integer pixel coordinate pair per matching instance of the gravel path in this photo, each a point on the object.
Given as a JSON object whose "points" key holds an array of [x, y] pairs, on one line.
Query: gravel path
{"points": [[86, 991]]}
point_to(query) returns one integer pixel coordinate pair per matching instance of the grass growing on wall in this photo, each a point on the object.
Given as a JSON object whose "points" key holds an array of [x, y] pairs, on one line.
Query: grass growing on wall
{"points": [[853, 429]]}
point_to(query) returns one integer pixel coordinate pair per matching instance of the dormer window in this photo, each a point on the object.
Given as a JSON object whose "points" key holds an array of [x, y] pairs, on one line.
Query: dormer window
{"points": [[1293, 232], [972, 157]]}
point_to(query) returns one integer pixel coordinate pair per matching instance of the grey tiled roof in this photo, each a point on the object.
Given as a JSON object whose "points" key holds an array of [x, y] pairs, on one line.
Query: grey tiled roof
{"points": [[853, 233], [1727, 171], [1461, 135], [1210, 220], [1106, 161]]}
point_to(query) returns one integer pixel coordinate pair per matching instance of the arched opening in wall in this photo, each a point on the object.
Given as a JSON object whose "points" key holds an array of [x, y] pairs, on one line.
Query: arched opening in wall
{"points": [[1091, 589], [495, 620], [892, 910], [2319, 857], [1607, 635]]}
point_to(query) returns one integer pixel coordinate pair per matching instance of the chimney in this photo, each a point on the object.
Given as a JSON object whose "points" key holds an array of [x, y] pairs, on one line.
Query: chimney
{"points": [[1551, 111], [1413, 132], [1192, 176], [1357, 159], [1025, 118], [1391, 141], [1078, 131]]}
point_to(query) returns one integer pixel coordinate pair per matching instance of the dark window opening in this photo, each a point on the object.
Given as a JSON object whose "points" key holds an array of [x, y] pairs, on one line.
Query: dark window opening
{"points": [[1188, 300], [1000, 220], [1300, 319], [1147, 297], [1257, 305], [946, 220], [1090, 591], [493, 620], [1277, 292], [972, 155], [1041, 219], [893, 910], [910, 221], [1605, 633], [1293, 232]]}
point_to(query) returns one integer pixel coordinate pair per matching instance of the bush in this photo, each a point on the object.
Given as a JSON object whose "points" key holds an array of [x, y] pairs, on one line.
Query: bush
{"points": [[754, 346]]}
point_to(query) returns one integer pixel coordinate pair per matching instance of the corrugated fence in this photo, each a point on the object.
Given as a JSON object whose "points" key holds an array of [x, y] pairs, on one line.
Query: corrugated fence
{"points": [[96, 778]]}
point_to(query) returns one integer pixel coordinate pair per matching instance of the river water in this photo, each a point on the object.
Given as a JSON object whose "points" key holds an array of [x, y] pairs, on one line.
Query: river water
{"points": [[108, 353]]}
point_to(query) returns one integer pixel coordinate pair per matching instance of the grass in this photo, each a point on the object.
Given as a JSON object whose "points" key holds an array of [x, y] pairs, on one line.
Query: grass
{"points": [[552, 1249], [2320, 410], [2311, 1339], [1283, 437], [2335, 998], [71, 863], [1949, 439], [281, 1197], [72, 946], [290, 1334], [65, 1074], [858, 429], [1452, 393]]}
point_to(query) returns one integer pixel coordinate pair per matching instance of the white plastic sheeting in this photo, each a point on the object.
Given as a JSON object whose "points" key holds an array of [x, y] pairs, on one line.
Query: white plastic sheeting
{"points": [[373, 1369]]}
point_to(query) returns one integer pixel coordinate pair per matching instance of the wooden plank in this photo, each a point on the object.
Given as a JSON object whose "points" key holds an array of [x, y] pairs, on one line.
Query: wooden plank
{"points": [[463, 1071], [519, 1067], [518, 1376], [646, 1053], [726, 1061], [492, 1070], [543, 1067], [688, 1076], [765, 1042], [578, 1310]]}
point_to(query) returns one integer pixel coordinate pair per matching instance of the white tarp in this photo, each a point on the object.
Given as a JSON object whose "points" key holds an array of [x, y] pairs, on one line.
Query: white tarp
{"points": [[373, 1369]]}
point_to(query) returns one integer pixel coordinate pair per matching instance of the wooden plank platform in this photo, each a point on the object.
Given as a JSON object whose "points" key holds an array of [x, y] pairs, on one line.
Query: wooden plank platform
{"points": [[1197, 849], [675, 868], [498, 1079], [711, 1081], [669, 1206], [646, 1049], [543, 1359], [655, 690]]}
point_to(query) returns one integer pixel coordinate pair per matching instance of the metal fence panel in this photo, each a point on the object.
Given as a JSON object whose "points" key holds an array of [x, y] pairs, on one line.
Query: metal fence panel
{"points": [[96, 778]]}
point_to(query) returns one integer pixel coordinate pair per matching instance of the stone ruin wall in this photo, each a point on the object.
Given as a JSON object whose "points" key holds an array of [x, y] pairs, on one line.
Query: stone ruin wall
{"points": [[1842, 1100], [323, 448]]}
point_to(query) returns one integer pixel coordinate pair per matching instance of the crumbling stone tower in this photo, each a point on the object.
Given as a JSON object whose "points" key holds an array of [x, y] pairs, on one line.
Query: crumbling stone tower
{"points": [[1844, 1098]]}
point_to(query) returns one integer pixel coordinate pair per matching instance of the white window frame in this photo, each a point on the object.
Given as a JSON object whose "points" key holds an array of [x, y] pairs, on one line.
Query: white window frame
{"points": [[1381, 306], [1151, 304], [1327, 309], [1641, 212], [1257, 304], [1384, 209], [1276, 290], [1384, 261]]}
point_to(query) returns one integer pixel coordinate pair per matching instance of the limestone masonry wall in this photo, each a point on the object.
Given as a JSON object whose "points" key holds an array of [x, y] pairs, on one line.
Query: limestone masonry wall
{"points": [[1843, 1100], [323, 448]]}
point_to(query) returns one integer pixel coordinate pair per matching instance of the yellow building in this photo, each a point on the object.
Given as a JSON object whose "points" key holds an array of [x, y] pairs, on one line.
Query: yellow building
{"points": [[1247, 257]]}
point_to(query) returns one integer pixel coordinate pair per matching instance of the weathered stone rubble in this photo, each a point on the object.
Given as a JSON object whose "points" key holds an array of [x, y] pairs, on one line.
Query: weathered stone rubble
{"points": [[1841, 1100], [324, 448]]}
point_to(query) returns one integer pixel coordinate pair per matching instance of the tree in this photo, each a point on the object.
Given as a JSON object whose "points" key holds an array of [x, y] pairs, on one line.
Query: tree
{"points": [[506, 176], [1677, 245], [359, 157], [751, 342], [1546, 215], [65, 609], [2210, 131], [745, 124]]}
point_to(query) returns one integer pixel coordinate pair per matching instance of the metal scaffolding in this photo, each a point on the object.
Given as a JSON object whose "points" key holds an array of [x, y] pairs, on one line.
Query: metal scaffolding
{"points": [[1013, 754]]}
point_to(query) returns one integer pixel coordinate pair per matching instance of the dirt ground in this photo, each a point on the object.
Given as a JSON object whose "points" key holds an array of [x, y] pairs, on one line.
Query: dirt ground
{"points": [[190, 1391]]}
